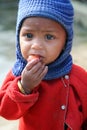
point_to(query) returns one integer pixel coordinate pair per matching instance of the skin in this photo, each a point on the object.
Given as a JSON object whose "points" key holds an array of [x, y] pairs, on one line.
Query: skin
{"points": [[45, 39]]}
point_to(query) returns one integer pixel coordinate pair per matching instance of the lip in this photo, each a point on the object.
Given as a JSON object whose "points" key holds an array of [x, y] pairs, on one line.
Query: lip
{"points": [[37, 55], [40, 54]]}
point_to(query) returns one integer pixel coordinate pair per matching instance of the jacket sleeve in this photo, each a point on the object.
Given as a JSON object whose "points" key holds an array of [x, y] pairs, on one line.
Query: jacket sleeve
{"points": [[13, 104]]}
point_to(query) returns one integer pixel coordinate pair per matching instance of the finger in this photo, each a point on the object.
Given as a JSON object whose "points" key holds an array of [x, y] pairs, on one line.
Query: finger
{"points": [[36, 68], [31, 64], [34, 71], [42, 73], [38, 78], [40, 69]]}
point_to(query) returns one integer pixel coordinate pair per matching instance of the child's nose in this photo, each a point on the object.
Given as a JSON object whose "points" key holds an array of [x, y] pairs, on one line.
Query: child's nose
{"points": [[37, 46]]}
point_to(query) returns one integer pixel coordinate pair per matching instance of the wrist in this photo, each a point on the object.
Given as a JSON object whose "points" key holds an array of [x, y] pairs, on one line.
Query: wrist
{"points": [[22, 90]]}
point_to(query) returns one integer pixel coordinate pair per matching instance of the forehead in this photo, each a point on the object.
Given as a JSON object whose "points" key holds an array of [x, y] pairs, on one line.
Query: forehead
{"points": [[43, 23]]}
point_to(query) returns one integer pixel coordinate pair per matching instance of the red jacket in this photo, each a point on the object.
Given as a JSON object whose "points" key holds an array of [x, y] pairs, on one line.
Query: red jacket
{"points": [[50, 106]]}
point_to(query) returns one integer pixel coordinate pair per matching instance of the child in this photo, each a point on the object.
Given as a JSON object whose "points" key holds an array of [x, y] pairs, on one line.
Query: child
{"points": [[44, 89]]}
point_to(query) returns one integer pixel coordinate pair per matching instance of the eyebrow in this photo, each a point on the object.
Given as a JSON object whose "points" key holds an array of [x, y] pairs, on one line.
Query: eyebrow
{"points": [[32, 30]]}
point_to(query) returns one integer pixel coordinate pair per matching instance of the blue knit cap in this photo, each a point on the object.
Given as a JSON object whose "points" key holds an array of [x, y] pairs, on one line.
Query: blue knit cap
{"points": [[58, 10]]}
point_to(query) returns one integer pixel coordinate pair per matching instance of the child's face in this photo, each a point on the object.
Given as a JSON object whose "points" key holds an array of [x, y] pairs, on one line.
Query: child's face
{"points": [[42, 37]]}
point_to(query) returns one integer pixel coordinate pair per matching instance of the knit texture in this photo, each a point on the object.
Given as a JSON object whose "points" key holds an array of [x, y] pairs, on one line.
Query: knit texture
{"points": [[58, 10]]}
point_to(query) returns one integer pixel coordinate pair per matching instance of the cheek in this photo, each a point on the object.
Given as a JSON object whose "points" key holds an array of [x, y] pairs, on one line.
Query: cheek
{"points": [[51, 55], [24, 50], [55, 52]]}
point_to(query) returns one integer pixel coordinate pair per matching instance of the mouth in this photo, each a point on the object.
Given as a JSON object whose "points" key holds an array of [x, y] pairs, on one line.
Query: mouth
{"points": [[35, 56]]}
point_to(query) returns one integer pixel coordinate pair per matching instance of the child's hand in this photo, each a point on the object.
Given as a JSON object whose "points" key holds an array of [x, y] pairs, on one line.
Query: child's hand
{"points": [[32, 74]]}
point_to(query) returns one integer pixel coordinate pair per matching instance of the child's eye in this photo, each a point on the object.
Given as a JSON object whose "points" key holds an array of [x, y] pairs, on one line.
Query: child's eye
{"points": [[49, 37], [29, 35]]}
